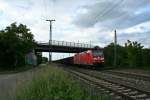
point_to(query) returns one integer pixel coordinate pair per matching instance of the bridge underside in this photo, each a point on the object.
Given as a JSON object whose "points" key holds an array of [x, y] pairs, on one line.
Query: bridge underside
{"points": [[61, 49]]}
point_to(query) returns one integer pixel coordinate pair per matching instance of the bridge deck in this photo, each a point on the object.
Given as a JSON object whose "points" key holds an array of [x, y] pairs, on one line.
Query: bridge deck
{"points": [[63, 46]]}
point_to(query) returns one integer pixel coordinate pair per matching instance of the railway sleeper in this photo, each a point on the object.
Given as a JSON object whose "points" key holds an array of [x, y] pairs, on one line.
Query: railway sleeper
{"points": [[118, 98], [110, 86], [121, 88], [142, 96], [117, 86], [126, 90], [147, 99], [102, 89], [118, 89], [107, 91], [112, 94], [131, 95], [133, 75]]}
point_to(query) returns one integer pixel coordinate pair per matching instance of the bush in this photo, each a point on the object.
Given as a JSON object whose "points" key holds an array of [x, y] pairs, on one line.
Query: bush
{"points": [[15, 42]]}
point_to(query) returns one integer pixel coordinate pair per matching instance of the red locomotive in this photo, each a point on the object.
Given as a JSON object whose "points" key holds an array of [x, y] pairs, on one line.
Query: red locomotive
{"points": [[90, 57]]}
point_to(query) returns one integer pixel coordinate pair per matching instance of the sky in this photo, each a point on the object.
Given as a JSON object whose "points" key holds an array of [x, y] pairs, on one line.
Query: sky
{"points": [[85, 21]]}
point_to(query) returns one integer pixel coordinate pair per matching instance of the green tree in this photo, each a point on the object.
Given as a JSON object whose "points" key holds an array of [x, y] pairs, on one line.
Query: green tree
{"points": [[109, 55], [15, 43], [39, 57], [134, 53], [146, 57], [44, 59]]}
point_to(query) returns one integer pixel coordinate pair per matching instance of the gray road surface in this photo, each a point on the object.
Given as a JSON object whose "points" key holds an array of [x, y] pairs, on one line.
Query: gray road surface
{"points": [[10, 82]]}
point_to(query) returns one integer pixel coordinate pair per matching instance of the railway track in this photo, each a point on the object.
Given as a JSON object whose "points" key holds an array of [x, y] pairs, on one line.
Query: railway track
{"points": [[138, 81], [120, 92], [134, 75]]}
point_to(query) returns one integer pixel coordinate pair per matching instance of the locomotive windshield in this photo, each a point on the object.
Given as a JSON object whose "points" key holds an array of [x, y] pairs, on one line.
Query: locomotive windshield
{"points": [[97, 53]]}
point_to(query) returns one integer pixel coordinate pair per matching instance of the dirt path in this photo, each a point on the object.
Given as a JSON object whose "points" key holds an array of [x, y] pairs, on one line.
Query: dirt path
{"points": [[10, 82]]}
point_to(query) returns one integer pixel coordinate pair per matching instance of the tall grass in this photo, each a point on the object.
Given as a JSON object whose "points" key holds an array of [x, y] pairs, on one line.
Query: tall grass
{"points": [[52, 83]]}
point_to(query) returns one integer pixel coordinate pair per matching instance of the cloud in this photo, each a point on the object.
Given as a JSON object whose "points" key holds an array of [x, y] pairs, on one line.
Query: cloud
{"points": [[139, 37], [123, 15], [1, 12], [80, 20]]}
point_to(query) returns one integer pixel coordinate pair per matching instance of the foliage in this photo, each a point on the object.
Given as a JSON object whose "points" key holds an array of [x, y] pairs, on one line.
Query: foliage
{"points": [[130, 55], [39, 57], [44, 59], [15, 42], [134, 53], [53, 84], [109, 55], [146, 57]]}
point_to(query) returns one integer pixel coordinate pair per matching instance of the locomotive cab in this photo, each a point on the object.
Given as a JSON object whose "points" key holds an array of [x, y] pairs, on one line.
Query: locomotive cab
{"points": [[91, 57], [98, 57]]}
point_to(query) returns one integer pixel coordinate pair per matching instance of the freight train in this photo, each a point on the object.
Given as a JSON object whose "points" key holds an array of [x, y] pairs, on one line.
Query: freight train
{"points": [[90, 57]]}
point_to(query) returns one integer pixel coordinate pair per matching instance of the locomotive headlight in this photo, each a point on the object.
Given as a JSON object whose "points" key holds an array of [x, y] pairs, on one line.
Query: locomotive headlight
{"points": [[102, 58], [98, 58], [95, 58]]}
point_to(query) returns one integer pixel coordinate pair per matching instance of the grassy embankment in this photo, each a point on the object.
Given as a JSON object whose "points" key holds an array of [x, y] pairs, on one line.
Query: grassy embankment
{"points": [[53, 83]]}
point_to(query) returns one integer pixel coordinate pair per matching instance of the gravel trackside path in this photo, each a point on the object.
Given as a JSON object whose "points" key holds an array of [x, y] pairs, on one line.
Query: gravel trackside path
{"points": [[10, 82]]}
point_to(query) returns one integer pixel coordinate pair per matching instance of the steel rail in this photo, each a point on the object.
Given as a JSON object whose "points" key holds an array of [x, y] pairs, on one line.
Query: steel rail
{"points": [[112, 86]]}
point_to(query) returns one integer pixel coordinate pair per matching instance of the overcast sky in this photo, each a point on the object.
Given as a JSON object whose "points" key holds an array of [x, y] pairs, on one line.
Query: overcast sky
{"points": [[81, 20]]}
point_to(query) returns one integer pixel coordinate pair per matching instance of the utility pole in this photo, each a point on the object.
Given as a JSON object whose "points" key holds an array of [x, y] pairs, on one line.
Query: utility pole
{"points": [[115, 48], [50, 40], [90, 43]]}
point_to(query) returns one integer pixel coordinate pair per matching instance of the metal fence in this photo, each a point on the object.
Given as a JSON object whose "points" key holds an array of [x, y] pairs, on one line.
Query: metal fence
{"points": [[69, 44]]}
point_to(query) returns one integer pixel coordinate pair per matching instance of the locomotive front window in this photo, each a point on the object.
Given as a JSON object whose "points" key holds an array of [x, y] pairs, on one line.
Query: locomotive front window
{"points": [[97, 53]]}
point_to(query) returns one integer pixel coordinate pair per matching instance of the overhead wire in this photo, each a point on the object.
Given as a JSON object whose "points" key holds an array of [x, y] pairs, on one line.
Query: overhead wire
{"points": [[44, 9], [140, 40], [107, 11], [144, 39]]}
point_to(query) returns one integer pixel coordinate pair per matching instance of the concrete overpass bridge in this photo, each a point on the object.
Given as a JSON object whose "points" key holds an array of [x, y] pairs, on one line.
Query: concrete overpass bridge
{"points": [[62, 47]]}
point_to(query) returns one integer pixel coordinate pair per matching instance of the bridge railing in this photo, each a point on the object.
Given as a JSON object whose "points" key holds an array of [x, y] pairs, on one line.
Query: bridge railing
{"points": [[69, 44]]}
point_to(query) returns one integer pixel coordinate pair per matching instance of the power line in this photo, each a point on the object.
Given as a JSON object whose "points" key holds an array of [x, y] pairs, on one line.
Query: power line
{"points": [[44, 8], [144, 39], [109, 10]]}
